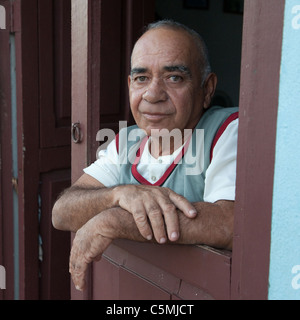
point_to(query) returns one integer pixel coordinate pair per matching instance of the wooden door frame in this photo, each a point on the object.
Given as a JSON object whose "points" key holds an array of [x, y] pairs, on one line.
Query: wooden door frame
{"points": [[261, 61], [6, 195], [27, 77], [259, 92]]}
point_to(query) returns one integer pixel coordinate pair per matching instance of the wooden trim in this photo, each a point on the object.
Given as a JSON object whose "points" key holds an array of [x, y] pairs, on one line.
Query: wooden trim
{"points": [[94, 38], [28, 126], [6, 191], [79, 82], [261, 59], [80, 107]]}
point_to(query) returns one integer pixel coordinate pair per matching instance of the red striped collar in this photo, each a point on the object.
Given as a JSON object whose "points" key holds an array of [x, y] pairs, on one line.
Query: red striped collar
{"points": [[173, 165]]}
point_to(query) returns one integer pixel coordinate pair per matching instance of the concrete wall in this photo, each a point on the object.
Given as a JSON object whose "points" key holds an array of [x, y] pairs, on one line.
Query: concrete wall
{"points": [[284, 278]]}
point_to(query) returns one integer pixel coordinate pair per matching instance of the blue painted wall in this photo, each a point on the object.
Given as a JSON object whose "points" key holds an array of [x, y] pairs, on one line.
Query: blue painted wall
{"points": [[284, 278]]}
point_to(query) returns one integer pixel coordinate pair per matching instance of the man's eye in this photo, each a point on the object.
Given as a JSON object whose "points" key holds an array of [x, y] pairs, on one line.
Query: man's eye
{"points": [[141, 79], [176, 78]]}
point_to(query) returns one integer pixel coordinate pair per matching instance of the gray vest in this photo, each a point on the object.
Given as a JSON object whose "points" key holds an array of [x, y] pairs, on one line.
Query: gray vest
{"points": [[187, 175]]}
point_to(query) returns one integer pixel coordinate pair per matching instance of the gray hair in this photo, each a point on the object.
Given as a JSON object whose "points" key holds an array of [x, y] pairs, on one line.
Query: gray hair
{"points": [[204, 63]]}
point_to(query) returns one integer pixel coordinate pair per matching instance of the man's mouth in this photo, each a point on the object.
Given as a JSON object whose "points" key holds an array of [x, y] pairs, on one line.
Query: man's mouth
{"points": [[155, 116]]}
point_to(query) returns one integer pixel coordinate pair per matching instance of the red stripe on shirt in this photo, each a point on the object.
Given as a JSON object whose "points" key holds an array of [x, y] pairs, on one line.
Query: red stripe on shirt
{"points": [[223, 127], [117, 143], [161, 181]]}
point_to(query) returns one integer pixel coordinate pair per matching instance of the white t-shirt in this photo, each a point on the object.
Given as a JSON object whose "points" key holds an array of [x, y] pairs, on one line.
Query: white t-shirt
{"points": [[220, 175]]}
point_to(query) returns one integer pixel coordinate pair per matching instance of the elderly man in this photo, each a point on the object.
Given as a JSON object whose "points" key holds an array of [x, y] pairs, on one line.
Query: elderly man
{"points": [[152, 196]]}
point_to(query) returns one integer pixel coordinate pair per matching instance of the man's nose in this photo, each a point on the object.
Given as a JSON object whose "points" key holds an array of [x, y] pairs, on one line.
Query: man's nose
{"points": [[155, 92]]}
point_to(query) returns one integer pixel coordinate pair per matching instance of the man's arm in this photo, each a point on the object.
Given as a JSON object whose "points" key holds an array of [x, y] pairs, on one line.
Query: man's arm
{"points": [[81, 202], [213, 226], [153, 208]]}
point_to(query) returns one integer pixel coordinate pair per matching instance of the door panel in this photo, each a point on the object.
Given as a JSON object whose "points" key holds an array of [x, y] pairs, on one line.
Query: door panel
{"points": [[42, 120], [55, 245], [134, 287], [204, 270], [54, 50], [55, 72], [105, 283]]}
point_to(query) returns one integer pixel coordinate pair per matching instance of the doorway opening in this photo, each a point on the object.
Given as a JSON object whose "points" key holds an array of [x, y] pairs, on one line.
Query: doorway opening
{"points": [[220, 23]]}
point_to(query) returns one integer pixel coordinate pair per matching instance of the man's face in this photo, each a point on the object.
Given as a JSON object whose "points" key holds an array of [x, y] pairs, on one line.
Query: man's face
{"points": [[165, 84]]}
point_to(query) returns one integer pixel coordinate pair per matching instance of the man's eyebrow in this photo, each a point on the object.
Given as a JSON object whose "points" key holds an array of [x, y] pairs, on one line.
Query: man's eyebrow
{"points": [[138, 71], [175, 68], [178, 68]]}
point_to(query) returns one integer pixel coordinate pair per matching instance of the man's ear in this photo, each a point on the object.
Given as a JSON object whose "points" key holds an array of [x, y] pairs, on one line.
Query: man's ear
{"points": [[129, 81], [209, 89]]}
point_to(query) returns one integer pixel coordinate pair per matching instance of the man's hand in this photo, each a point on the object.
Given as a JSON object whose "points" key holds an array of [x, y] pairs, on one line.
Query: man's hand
{"points": [[214, 227], [88, 246], [154, 210]]}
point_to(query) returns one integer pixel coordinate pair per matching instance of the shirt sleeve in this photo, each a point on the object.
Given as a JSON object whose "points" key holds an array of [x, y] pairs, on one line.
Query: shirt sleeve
{"points": [[221, 174], [106, 168]]}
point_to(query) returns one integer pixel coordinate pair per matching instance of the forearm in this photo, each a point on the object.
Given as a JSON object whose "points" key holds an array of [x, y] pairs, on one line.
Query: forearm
{"points": [[79, 204], [147, 204], [212, 226]]}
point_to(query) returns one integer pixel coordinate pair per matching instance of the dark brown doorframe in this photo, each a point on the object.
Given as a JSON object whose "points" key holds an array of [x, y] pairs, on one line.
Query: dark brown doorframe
{"points": [[261, 59], [262, 41], [6, 190], [79, 13]]}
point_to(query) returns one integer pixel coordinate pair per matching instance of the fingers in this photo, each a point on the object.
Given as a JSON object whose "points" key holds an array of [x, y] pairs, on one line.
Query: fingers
{"points": [[141, 219], [77, 267], [168, 222], [183, 204], [154, 210], [87, 247], [155, 214], [161, 214]]}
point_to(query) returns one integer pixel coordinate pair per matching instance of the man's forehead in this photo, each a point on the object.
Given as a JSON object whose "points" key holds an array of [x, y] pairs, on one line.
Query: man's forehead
{"points": [[163, 43], [162, 51], [164, 34]]}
